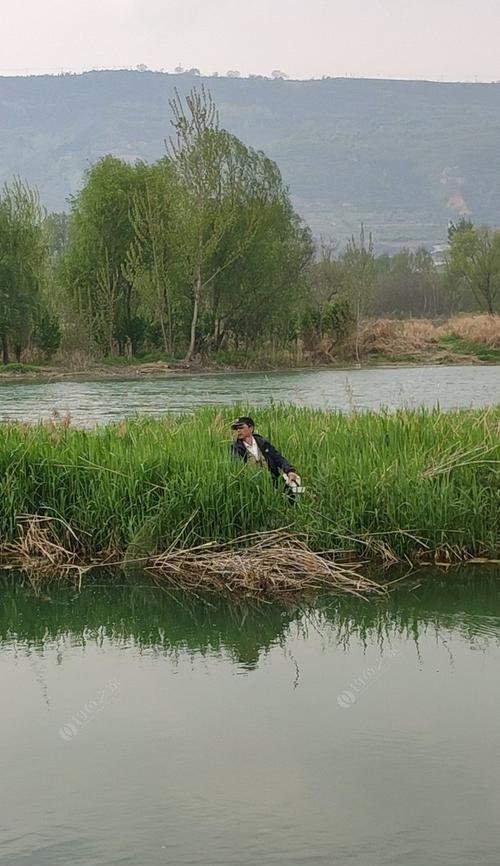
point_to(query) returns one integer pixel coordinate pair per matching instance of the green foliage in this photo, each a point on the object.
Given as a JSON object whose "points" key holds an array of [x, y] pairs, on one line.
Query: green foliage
{"points": [[47, 333], [56, 226], [326, 277], [410, 481], [259, 295], [101, 234], [199, 249], [152, 263], [473, 261], [14, 367], [461, 225], [23, 258], [243, 247], [332, 321]]}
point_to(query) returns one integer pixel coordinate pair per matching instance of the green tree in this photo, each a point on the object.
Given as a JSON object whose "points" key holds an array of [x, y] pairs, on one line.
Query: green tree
{"points": [[153, 263], [101, 233], [462, 225], [358, 263], [23, 261], [211, 169], [47, 332], [325, 326], [259, 291], [473, 261]]}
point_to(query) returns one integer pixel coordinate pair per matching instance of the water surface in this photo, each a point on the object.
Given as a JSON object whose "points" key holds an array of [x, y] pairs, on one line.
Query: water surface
{"points": [[109, 400], [143, 727]]}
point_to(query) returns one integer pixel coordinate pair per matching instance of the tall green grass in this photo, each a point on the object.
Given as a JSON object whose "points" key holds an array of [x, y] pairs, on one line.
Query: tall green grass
{"points": [[410, 481]]}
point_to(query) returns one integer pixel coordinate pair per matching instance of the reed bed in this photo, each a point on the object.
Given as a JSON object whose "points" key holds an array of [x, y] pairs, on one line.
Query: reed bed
{"points": [[397, 337], [475, 329], [407, 336], [417, 485]]}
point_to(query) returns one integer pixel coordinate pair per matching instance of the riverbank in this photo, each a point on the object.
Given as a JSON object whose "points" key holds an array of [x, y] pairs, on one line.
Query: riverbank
{"points": [[383, 342], [164, 495]]}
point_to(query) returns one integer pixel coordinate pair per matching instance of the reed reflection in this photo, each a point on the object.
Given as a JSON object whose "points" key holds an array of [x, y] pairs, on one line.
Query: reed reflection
{"points": [[175, 623]]}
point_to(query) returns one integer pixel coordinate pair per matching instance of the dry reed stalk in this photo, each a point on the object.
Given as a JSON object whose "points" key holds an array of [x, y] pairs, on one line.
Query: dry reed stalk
{"points": [[38, 540], [39, 553], [272, 564], [268, 563], [447, 555]]}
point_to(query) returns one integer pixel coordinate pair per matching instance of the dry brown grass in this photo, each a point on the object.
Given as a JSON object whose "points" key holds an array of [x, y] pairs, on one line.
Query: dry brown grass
{"points": [[271, 564], [268, 563], [38, 541], [476, 329], [392, 337], [396, 337]]}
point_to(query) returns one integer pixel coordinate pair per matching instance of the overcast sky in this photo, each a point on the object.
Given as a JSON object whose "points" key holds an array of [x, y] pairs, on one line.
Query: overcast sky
{"points": [[435, 39]]}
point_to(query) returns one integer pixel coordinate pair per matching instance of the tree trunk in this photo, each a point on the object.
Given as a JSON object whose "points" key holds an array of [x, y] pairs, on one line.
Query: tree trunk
{"points": [[163, 304], [489, 302], [5, 349], [128, 313], [17, 351], [163, 333], [194, 319], [219, 335], [358, 316]]}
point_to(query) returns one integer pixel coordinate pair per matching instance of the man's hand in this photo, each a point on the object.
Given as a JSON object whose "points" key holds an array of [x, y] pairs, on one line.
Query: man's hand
{"points": [[292, 476]]}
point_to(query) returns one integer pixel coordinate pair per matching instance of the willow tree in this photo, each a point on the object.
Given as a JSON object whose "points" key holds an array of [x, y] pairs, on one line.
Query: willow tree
{"points": [[258, 295], [211, 165], [23, 261], [100, 236], [153, 264]]}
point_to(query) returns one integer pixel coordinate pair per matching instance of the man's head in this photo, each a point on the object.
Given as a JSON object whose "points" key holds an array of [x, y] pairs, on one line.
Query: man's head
{"points": [[243, 427]]}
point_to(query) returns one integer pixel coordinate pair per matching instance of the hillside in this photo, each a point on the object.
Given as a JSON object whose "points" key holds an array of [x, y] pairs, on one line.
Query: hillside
{"points": [[402, 156]]}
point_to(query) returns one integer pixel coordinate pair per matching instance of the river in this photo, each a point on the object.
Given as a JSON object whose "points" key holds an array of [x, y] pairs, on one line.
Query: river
{"points": [[145, 727], [93, 402]]}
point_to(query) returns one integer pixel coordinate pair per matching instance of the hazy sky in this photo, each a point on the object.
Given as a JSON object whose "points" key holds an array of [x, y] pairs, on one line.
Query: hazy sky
{"points": [[437, 39]]}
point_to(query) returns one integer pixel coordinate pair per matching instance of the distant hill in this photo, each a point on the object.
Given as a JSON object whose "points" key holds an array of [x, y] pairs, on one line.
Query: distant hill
{"points": [[403, 156]]}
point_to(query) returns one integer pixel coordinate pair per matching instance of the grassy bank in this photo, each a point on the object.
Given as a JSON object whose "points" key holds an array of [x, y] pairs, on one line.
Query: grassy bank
{"points": [[417, 485], [460, 340]]}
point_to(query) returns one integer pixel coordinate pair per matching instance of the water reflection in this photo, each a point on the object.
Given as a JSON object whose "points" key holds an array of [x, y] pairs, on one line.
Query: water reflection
{"points": [[172, 622], [145, 727]]}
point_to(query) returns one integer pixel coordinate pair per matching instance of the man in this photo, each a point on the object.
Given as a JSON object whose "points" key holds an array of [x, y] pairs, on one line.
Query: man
{"points": [[252, 448]]}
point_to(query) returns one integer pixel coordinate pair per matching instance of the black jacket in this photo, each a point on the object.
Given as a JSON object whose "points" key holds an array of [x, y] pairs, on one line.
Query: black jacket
{"points": [[275, 461]]}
